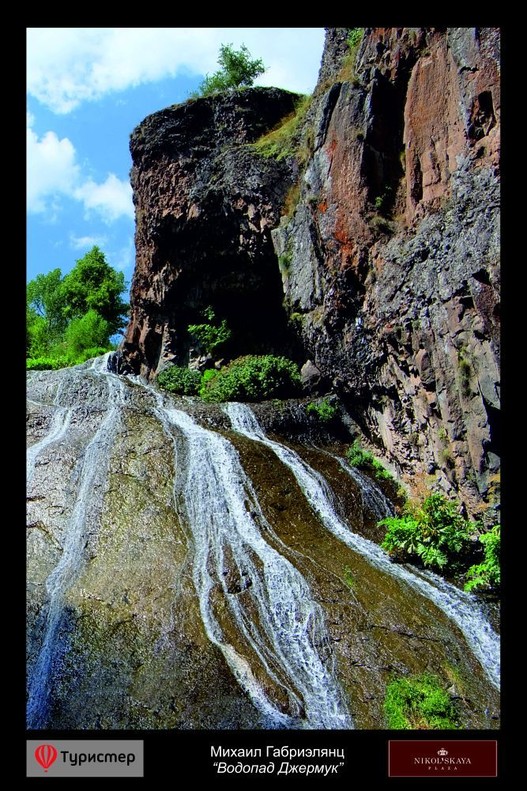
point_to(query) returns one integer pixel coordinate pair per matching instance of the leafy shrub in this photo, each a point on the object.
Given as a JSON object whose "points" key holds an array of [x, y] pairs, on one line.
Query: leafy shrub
{"points": [[175, 379], [46, 363], [253, 378], [64, 360], [355, 36], [210, 335], [323, 410], [364, 460], [420, 703], [487, 574], [238, 70], [434, 533]]}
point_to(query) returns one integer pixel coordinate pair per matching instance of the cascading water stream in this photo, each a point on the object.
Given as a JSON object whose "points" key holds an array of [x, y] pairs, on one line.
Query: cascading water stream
{"points": [[460, 607], [58, 428], [91, 470], [272, 609], [372, 498]]}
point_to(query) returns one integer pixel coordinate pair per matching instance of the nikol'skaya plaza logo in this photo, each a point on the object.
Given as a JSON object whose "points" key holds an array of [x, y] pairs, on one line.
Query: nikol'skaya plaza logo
{"points": [[461, 758]]}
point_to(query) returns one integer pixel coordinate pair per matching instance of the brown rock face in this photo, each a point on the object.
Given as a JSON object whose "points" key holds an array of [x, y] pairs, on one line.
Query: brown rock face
{"points": [[394, 246], [389, 264], [205, 204]]}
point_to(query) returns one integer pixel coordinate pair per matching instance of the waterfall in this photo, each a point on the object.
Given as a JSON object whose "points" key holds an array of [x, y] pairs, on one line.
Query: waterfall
{"points": [[373, 499], [460, 607], [58, 428], [90, 473], [271, 605]]}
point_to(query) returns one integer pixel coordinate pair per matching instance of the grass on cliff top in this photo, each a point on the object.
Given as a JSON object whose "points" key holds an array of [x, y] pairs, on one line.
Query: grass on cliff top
{"points": [[285, 139]]}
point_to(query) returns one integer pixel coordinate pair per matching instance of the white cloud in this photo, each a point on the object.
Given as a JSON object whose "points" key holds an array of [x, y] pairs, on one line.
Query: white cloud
{"points": [[86, 242], [51, 168], [111, 199], [53, 172], [67, 66]]}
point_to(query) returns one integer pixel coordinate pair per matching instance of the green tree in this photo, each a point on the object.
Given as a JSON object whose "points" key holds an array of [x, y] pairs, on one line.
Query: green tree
{"points": [[238, 70], [93, 284], [90, 331], [46, 300], [38, 338], [72, 318]]}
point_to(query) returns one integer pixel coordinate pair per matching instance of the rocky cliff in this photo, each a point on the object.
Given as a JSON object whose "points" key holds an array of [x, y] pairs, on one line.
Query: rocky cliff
{"points": [[205, 204], [373, 252]]}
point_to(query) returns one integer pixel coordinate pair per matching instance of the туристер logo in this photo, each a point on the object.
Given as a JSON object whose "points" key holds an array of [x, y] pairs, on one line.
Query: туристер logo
{"points": [[85, 758]]}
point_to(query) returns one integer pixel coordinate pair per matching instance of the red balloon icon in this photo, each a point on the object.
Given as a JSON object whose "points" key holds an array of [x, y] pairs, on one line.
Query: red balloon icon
{"points": [[46, 754]]}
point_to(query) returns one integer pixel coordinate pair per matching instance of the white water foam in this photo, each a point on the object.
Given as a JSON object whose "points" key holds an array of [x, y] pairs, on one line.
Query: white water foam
{"points": [[462, 608], [58, 428], [92, 469], [273, 609]]}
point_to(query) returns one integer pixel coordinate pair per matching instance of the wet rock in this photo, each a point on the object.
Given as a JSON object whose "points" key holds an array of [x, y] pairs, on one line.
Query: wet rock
{"points": [[130, 647], [311, 377]]}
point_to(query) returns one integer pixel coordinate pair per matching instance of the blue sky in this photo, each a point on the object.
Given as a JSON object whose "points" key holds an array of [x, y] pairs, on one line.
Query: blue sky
{"points": [[87, 88]]}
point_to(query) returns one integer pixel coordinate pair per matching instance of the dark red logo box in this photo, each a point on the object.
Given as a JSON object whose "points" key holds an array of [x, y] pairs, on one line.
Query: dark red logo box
{"points": [[443, 758]]}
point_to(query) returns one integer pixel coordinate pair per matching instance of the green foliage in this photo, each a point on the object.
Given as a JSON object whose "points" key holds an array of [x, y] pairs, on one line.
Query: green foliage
{"points": [[434, 533], [238, 70], [419, 703], [323, 410], [487, 574], [253, 378], [364, 460], [46, 363], [71, 319], [349, 579], [286, 139], [465, 370], [355, 36], [384, 201], [86, 332], [183, 381], [93, 284], [39, 336], [45, 299], [208, 335], [347, 71], [284, 261]]}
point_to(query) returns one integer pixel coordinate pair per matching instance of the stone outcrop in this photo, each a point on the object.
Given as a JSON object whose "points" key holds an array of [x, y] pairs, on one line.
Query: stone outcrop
{"points": [[389, 260], [205, 204], [394, 246]]}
